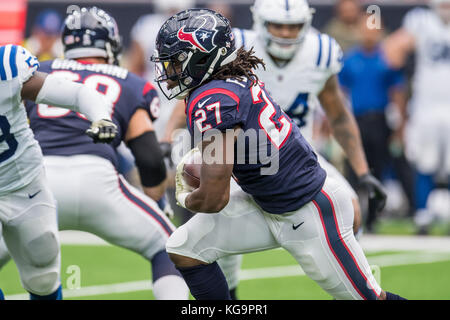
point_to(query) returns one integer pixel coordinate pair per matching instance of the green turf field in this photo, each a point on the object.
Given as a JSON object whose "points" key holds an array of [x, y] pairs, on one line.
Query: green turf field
{"points": [[107, 272]]}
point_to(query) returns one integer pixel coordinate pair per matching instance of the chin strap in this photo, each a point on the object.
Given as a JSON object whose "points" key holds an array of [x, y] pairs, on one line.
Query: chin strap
{"points": [[212, 65], [220, 52], [180, 91]]}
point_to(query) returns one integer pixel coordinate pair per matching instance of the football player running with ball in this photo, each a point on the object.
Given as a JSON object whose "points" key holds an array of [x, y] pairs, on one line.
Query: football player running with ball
{"points": [[301, 67], [28, 219], [196, 58], [91, 195]]}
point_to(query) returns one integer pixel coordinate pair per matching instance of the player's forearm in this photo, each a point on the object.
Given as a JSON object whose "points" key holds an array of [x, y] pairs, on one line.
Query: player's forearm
{"points": [[346, 132], [344, 126], [214, 191], [200, 201], [77, 97]]}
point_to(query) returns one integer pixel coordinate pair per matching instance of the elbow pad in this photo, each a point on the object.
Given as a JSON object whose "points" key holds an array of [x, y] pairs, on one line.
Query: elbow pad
{"points": [[149, 159], [59, 92]]}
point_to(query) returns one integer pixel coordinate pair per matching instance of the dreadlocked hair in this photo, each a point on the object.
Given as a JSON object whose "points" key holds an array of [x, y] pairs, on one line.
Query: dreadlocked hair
{"points": [[241, 67]]}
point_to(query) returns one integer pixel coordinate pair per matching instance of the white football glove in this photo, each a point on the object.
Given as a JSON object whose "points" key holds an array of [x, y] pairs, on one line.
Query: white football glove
{"points": [[182, 189], [102, 131]]}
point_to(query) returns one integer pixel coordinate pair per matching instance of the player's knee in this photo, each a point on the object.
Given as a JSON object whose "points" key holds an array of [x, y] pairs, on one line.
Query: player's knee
{"points": [[183, 262], [177, 239], [43, 284], [176, 242], [43, 250]]}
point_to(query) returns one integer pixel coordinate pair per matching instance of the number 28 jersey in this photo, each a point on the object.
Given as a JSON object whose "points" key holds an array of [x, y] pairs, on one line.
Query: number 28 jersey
{"points": [[20, 155], [295, 176]]}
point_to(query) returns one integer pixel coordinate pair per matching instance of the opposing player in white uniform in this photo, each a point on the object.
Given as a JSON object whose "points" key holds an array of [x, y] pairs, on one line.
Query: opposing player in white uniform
{"points": [[27, 207], [427, 32], [301, 68], [99, 200]]}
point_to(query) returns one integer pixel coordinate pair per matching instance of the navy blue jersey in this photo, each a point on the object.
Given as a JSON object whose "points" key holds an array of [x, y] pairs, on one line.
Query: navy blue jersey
{"points": [[269, 139], [61, 131]]}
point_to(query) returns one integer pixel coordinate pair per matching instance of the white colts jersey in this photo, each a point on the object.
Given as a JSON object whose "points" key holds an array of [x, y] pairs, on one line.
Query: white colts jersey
{"points": [[295, 86], [431, 89], [20, 154]]}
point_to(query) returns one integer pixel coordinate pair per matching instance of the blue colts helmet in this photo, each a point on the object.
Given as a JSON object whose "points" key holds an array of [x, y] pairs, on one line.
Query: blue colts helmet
{"points": [[190, 47]]}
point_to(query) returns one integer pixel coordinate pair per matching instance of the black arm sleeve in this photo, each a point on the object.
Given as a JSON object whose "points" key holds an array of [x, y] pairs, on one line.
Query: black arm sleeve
{"points": [[149, 159]]}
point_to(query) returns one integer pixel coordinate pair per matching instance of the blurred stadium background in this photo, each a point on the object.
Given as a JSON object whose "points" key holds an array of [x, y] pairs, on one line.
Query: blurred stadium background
{"points": [[412, 265]]}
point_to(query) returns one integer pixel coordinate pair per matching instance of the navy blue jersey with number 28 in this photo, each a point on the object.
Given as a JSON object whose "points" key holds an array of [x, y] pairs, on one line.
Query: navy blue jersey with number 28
{"points": [[62, 132], [296, 176]]}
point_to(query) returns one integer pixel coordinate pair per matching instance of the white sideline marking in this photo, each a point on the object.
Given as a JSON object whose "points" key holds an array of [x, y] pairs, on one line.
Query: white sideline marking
{"points": [[368, 242], [404, 243], [248, 274]]}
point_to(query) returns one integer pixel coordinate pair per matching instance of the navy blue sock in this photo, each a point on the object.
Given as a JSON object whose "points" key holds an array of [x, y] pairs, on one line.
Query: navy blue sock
{"points": [[163, 266], [57, 295], [2, 296], [392, 296], [206, 282]]}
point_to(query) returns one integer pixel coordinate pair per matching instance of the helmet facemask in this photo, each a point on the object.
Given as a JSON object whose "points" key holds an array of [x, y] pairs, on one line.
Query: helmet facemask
{"points": [[172, 75], [284, 48], [183, 71], [191, 46], [287, 13]]}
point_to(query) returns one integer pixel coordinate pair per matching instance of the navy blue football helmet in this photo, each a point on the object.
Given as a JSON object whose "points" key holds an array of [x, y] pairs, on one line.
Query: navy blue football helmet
{"points": [[190, 47], [91, 32]]}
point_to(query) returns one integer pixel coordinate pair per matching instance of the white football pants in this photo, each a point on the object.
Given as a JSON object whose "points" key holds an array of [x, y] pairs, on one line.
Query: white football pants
{"points": [[319, 236]]}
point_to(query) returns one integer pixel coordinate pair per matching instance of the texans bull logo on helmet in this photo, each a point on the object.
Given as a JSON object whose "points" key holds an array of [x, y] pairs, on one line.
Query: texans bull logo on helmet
{"points": [[202, 37]]}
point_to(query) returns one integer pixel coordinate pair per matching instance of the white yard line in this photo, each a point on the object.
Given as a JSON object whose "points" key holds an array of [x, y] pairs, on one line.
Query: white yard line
{"points": [[250, 274], [404, 243], [368, 242]]}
